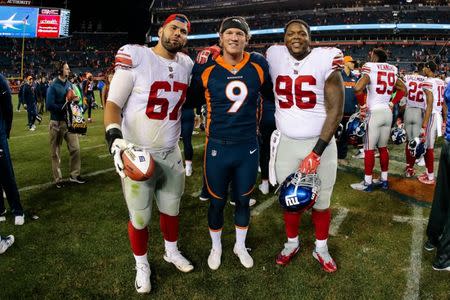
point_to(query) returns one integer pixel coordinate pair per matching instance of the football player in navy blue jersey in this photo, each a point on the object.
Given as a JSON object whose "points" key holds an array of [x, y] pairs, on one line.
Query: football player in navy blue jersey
{"points": [[230, 85]]}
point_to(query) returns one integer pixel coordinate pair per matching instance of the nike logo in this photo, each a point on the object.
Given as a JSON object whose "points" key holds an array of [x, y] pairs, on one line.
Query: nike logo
{"points": [[253, 151]]}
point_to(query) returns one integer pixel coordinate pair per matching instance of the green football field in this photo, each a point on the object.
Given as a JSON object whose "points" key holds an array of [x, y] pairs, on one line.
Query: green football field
{"points": [[78, 246]]}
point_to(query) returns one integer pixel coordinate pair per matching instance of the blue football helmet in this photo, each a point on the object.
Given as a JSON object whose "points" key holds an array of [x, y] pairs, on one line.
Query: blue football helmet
{"points": [[355, 126], [299, 191], [398, 135], [417, 147]]}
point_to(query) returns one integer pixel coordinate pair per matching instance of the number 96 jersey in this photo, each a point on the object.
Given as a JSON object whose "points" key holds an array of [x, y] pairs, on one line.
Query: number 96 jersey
{"points": [[299, 89], [151, 98]]}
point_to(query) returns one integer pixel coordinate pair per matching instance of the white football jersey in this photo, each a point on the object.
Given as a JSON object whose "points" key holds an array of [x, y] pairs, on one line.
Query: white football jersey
{"points": [[437, 87], [415, 97], [299, 89], [151, 113], [382, 81]]}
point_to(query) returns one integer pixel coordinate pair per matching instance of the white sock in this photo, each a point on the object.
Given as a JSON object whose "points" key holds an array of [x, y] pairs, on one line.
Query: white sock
{"points": [[170, 246], [216, 239], [384, 176], [368, 179], [321, 243], [241, 234], [265, 183], [293, 240], [141, 259], [188, 163], [430, 176]]}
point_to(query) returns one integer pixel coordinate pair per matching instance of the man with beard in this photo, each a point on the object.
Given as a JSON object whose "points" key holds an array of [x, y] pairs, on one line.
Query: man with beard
{"points": [[230, 85], [309, 94], [143, 109]]}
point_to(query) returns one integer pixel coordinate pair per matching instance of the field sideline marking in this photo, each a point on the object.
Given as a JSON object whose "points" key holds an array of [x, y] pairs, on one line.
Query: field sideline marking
{"points": [[337, 220], [413, 276], [195, 147], [263, 206], [42, 133]]}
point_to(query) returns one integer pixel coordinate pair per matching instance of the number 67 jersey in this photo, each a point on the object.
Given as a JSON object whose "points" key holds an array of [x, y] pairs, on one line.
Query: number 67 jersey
{"points": [[151, 93], [299, 89]]}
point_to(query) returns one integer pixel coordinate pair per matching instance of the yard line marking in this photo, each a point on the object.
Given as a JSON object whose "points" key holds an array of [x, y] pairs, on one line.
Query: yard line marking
{"points": [[337, 220], [195, 147], [48, 184], [42, 133], [263, 206], [93, 147], [413, 276]]}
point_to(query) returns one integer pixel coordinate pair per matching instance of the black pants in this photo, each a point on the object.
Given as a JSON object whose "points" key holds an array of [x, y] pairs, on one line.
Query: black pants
{"points": [[342, 144], [8, 180], [187, 126], [439, 222], [266, 129]]}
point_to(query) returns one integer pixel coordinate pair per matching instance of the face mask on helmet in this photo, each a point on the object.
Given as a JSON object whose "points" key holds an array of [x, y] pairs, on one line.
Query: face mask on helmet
{"points": [[416, 147], [339, 131], [398, 135], [299, 192]]}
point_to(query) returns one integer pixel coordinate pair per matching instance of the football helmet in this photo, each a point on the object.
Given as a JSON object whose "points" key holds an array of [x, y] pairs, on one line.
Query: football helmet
{"points": [[299, 191], [398, 135], [416, 147], [355, 126]]}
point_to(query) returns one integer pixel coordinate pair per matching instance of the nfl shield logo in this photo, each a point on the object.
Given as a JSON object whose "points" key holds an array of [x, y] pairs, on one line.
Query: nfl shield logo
{"points": [[213, 152]]}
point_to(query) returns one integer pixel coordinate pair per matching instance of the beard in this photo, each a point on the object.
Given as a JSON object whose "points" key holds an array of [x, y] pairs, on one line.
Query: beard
{"points": [[172, 47]]}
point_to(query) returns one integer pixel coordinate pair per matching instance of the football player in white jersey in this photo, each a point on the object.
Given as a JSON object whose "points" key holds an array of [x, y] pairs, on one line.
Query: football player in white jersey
{"points": [[143, 109], [380, 79], [309, 99], [417, 113], [434, 88]]}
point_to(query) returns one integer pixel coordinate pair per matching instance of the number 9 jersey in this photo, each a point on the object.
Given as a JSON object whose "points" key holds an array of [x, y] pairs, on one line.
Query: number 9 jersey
{"points": [[151, 91], [299, 89]]}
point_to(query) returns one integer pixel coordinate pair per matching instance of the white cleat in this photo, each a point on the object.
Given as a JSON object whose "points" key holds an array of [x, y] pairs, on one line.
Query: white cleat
{"points": [[250, 203], [19, 220], [264, 188], [244, 257], [142, 282], [214, 259], [5, 243], [178, 260]]}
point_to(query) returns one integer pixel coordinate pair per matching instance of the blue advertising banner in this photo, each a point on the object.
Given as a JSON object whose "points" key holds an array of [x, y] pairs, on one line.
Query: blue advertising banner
{"points": [[18, 21]]}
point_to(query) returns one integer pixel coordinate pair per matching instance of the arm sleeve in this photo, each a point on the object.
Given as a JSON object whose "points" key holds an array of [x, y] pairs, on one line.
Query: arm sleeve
{"points": [[196, 91], [336, 61]]}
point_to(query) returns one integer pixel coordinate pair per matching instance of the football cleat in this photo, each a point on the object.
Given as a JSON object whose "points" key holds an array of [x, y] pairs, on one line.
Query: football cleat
{"points": [[324, 258], [5, 243], [362, 186], [245, 258], [142, 282], [429, 246], [214, 259], [299, 191], [384, 184], [179, 261], [426, 180], [409, 172], [288, 252]]}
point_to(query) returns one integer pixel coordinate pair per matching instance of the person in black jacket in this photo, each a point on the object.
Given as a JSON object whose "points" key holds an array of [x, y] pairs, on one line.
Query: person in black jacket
{"points": [[30, 99], [56, 100], [7, 178]]}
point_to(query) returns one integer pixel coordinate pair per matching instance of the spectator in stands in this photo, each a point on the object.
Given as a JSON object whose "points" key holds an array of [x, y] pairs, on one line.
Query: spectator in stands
{"points": [[350, 103], [7, 178], [56, 100], [5, 243]]}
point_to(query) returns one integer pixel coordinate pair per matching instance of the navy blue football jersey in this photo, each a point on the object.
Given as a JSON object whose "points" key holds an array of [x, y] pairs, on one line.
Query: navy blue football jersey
{"points": [[232, 95]]}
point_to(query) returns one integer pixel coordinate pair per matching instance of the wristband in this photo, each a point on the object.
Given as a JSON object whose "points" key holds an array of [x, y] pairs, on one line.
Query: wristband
{"points": [[112, 132], [320, 147]]}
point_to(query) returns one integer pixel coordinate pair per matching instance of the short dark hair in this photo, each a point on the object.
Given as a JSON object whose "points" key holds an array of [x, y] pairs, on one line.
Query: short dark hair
{"points": [[420, 67], [381, 54], [60, 67], [431, 65], [298, 21]]}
